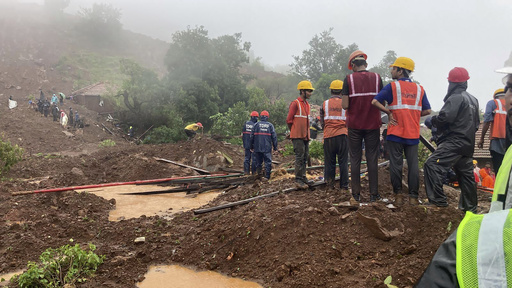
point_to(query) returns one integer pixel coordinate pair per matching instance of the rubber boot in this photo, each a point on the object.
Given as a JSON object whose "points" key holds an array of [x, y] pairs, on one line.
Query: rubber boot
{"points": [[399, 200]]}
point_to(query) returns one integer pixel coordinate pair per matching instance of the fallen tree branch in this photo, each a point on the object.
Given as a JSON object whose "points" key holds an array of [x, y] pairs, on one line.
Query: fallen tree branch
{"points": [[201, 171]]}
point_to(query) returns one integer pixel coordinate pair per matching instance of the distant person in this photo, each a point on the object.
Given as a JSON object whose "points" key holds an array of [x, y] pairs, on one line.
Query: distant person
{"points": [[63, 119], [495, 117], [46, 108], [298, 122], [41, 95], [487, 180], [476, 169], [246, 140], [71, 116], [457, 124], [61, 98], [315, 127], [55, 113], [54, 100], [263, 138], [191, 130], [77, 119], [130, 131], [363, 122], [406, 103], [333, 119]]}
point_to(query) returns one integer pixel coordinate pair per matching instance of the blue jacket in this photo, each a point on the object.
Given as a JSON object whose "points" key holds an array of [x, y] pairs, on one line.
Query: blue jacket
{"points": [[246, 132], [263, 136]]}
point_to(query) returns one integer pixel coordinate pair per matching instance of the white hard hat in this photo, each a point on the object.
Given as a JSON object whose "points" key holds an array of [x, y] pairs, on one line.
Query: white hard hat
{"points": [[505, 70]]}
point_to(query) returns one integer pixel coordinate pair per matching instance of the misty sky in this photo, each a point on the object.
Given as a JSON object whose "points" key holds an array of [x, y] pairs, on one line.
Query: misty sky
{"points": [[437, 35]]}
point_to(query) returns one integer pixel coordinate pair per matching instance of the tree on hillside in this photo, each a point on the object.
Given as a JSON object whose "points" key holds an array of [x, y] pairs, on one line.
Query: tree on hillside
{"points": [[101, 22], [383, 67], [325, 56], [216, 62], [197, 101]]}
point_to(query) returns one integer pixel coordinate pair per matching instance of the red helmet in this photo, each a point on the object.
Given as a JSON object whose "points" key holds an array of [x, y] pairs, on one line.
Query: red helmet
{"points": [[458, 75], [254, 114], [199, 124], [264, 113]]}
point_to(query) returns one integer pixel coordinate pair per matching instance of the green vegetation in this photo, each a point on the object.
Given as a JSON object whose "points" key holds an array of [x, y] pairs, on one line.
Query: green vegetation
{"points": [[61, 267], [388, 280], [9, 155], [107, 143], [316, 150]]}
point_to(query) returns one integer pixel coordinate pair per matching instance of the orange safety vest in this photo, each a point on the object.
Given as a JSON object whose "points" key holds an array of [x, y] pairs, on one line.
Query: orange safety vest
{"points": [[498, 129], [300, 125], [406, 109], [334, 118]]}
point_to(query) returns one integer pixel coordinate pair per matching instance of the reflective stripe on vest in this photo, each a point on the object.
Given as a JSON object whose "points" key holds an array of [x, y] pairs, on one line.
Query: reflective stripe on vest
{"points": [[405, 110], [501, 198], [334, 118], [300, 126], [353, 92], [498, 125], [482, 247]]}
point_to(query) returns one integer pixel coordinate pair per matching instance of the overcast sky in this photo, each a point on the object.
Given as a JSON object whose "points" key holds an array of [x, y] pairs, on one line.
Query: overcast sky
{"points": [[437, 35]]}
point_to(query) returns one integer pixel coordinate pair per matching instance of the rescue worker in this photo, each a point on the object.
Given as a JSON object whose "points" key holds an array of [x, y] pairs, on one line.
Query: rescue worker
{"points": [[298, 123], [407, 102], [358, 91], [478, 253], [263, 138], [495, 117], [41, 95], [61, 98], [456, 125], [46, 108], [191, 130], [333, 119], [54, 99], [77, 118], [130, 131], [55, 113], [246, 139], [314, 128]]}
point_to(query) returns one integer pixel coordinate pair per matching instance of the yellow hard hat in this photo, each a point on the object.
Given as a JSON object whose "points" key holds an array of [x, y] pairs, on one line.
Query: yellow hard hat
{"points": [[498, 91], [336, 85], [475, 162], [403, 62], [305, 85]]}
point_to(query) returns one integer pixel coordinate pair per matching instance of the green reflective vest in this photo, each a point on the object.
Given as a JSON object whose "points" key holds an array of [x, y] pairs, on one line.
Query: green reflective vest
{"points": [[500, 198], [484, 250]]}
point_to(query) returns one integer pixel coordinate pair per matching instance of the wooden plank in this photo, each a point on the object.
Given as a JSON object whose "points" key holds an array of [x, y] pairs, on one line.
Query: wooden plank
{"points": [[201, 171]]}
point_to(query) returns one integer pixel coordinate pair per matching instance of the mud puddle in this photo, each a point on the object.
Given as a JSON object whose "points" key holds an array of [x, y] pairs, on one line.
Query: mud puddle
{"points": [[180, 277], [134, 206]]}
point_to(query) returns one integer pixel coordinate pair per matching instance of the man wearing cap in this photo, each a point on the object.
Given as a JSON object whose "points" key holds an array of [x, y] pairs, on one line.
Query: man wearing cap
{"points": [[191, 129], [298, 123], [457, 124], [495, 116], [363, 122], [263, 139], [407, 102], [333, 119], [246, 139]]}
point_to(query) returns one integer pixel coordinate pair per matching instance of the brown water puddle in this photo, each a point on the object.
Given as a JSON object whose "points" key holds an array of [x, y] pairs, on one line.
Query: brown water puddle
{"points": [[134, 206], [7, 277], [180, 277]]}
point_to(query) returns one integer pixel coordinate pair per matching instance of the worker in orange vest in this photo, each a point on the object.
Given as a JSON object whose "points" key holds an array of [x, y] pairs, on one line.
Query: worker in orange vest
{"points": [[407, 102], [363, 122], [298, 123], [333, 119], [495, 117]]}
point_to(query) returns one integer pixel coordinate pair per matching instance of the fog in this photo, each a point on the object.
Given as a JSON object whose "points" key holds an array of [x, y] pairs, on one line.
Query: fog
{"points": [[437, 35]]}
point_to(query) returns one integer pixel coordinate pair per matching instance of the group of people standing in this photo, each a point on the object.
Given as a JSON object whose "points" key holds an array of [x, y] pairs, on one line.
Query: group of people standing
{"points": [[46, 107], [352, 116]]}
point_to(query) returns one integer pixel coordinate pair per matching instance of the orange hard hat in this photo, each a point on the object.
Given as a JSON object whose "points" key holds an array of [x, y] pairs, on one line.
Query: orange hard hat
{"points": [[199, 124], [254, 114], [264, 113], [354, 55]]}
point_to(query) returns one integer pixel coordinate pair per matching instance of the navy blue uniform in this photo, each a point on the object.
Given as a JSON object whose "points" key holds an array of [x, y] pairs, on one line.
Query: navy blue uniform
{"points": [[246, 138], [263, 138]]}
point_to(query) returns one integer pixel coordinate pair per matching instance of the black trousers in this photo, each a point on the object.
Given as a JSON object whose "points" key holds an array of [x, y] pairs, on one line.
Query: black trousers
{"points": [[435, 169], [355, 143], [396, 152], [497, 158], [336, 147], [190, 133], [301, 150]]}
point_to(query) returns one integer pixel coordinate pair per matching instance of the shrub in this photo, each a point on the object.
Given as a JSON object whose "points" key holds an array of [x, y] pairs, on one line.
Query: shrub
{"points": [[164, 134], [316, 150], [107, 143], [59, 267], [9, 155]]}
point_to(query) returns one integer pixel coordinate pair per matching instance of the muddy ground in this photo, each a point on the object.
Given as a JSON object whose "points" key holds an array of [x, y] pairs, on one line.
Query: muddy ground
{"points": [[297, 239]]}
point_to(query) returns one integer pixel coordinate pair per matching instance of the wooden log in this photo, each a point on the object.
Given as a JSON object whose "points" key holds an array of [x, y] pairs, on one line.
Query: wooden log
{"points": [[201, 171], [105, 127]]}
